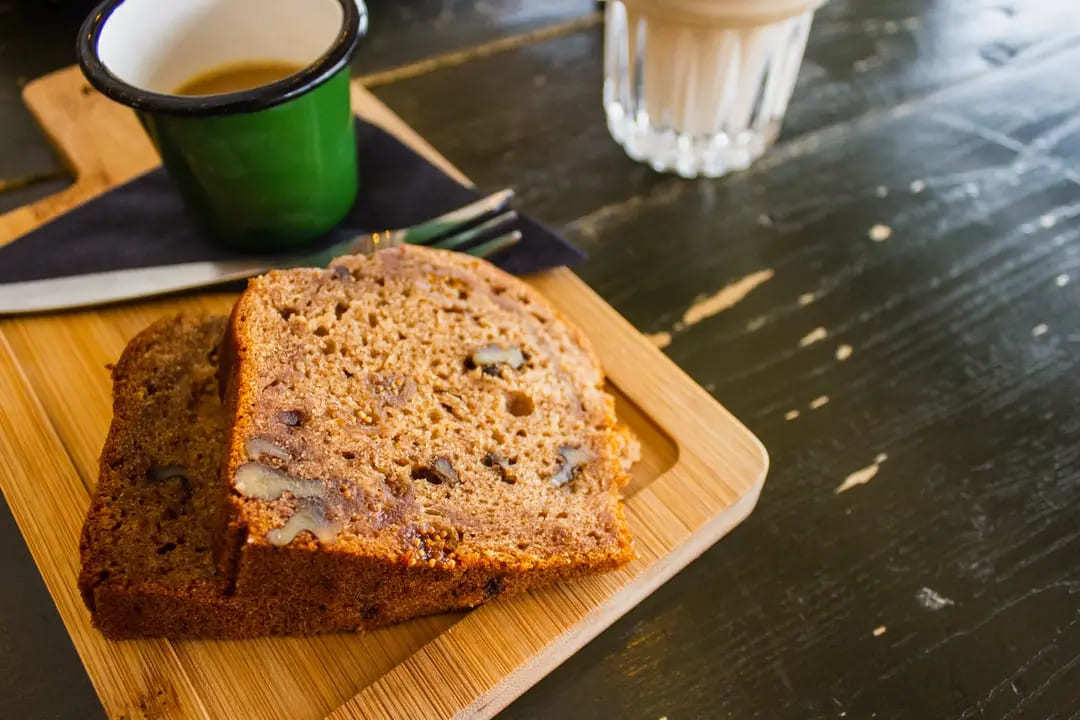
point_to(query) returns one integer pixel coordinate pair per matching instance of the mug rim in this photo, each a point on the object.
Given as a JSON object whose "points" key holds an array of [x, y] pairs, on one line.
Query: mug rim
{"points": [[336, 57]]}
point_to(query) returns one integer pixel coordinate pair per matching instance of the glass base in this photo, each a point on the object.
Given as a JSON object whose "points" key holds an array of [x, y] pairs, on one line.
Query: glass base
{"points": [[666, 150], [696, 92]]}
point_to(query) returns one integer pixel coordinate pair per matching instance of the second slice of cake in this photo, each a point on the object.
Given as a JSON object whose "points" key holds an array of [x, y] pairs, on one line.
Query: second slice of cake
{"points": [[416, 431]]}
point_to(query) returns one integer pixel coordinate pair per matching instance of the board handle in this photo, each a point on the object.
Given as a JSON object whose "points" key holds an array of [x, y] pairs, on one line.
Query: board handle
{"points": [[57, 101]]}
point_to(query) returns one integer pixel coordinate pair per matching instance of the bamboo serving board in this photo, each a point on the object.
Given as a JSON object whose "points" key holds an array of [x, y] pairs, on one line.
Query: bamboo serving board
{"points": [[700, 475]]}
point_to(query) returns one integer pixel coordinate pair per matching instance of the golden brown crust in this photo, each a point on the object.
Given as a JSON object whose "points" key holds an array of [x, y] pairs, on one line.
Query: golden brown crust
{"points": [[152, 610]]}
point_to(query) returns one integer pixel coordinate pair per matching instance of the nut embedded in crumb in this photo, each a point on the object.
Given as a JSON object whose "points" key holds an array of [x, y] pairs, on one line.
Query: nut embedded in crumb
{"points": [[258, 447], [446, 471], [501, 464], [572, 459], [255, 480], [164, 473], [291, 418], [311, 516], [493, 355]]}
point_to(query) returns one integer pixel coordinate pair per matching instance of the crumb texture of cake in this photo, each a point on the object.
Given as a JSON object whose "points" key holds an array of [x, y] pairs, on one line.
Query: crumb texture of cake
{"points": [[157, 483], [415, 408]]}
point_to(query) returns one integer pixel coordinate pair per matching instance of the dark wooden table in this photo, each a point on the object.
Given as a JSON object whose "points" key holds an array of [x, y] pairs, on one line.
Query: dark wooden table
{"points": [[939, 366]]}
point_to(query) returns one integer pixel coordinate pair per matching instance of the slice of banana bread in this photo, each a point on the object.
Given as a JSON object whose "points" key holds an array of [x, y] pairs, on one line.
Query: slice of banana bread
{"points": [[414, 428], [146, 533], [147, 563]]}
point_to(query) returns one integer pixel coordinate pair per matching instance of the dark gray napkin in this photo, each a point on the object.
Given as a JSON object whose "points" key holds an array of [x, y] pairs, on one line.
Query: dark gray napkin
{"points": [[144, 222]]}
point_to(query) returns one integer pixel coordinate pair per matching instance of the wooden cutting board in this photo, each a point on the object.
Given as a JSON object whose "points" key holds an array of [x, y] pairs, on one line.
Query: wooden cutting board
{"points": [[700, 475]]}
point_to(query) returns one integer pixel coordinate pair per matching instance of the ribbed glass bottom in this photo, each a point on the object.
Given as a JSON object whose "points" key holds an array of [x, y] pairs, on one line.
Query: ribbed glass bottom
{"points": [[698, 98]]}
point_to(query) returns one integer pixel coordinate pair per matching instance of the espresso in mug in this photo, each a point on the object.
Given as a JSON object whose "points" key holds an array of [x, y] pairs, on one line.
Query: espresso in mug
{"points": [[235, 77]]}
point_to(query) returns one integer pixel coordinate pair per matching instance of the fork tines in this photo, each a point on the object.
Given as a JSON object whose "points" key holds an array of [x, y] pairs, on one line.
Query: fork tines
{"points": [[474, 228]]}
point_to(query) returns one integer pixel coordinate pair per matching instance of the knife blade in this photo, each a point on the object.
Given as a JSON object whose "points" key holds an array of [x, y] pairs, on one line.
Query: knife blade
{"points": [[100, 288]]}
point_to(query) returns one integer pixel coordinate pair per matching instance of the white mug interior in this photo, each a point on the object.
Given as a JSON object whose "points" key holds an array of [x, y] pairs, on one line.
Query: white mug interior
{"points": [[158, 45]]}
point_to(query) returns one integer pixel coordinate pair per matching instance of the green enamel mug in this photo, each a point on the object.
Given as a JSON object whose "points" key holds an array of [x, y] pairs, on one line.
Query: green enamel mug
{"points": [[267, 168]]}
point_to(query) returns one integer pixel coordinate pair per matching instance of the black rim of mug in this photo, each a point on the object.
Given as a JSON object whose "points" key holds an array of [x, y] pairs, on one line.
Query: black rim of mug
{"points": [[315, 74]]}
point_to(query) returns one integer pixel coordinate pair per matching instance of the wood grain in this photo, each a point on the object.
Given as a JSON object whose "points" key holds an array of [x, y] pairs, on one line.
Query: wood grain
{"points": [[50, 521], [533, 118], [700, 475], [964, 371]]}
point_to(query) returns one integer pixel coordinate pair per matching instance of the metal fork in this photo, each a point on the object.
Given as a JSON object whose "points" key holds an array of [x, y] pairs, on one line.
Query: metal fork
{"points": [[463, 229]]}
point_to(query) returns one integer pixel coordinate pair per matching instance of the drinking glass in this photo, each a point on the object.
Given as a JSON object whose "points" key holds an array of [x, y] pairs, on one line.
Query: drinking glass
{"points": [[699, 87]]}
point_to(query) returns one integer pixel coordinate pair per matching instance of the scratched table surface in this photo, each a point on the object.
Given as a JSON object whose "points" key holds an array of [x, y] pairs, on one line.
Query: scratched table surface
{"points": [[888, 299]]}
